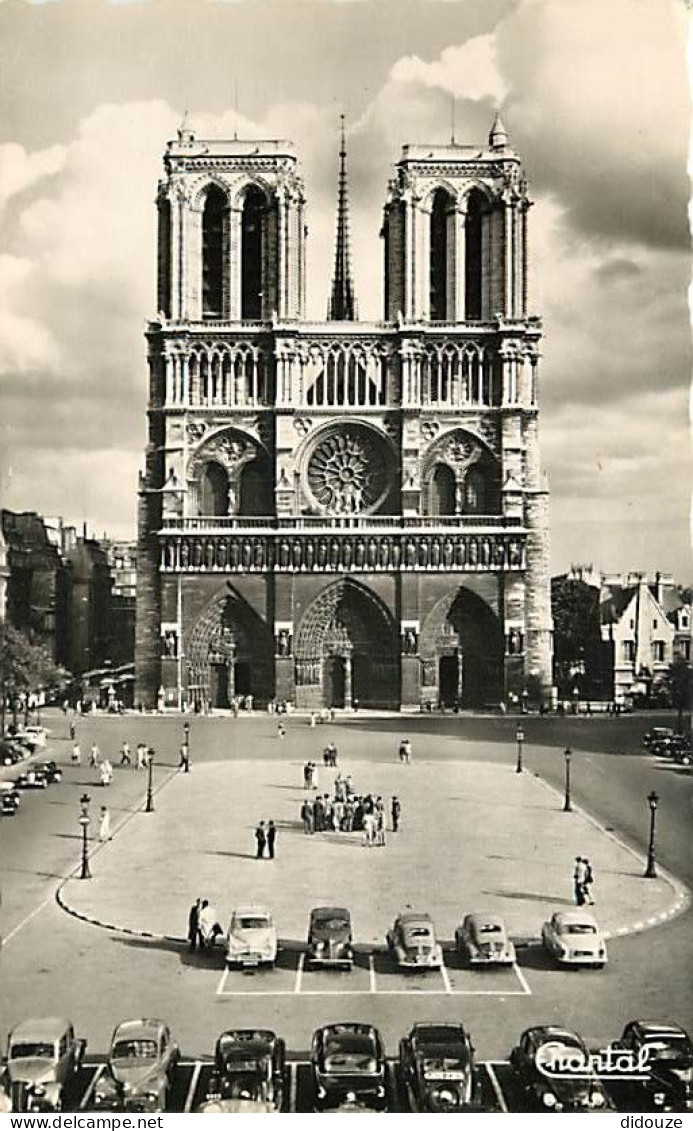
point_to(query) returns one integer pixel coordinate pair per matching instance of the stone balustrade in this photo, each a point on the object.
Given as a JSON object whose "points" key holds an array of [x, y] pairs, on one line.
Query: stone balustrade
{"points": [[217, 524]]}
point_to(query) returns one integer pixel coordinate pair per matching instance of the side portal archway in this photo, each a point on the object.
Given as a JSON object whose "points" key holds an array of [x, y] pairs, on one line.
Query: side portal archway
{"points": [[230, 652], [461, 649]]}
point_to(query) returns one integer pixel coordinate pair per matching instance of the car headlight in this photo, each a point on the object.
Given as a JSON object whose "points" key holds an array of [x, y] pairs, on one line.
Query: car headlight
{"points": [[322, 1092], [548, 1099], [381, 1091], [597, 1099], [319, 945]]}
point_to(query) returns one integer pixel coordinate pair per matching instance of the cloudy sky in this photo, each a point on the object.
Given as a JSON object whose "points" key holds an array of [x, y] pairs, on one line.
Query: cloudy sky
{"points": [[594, 94]]}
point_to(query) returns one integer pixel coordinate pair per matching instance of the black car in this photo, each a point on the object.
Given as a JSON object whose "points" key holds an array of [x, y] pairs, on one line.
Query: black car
{"points": [[437, 1067], [33, 777], [667, 1051], [330, 940], [51, 770], [552, 1066], [9, 799], [249, 1066], [11, 753], [681, 749], [348, 1064]]}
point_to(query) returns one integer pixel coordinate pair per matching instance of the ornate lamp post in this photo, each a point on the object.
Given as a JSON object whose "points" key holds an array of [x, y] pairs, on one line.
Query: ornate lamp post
{"points": [[653, 802], [519, 738], [149, 807], [85, 873], [567, 805]]}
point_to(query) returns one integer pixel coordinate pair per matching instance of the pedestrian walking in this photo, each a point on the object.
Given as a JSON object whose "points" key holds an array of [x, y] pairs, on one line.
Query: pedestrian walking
{"points": [[307, 817], [380, 827], [281, 731], [194, 926], [307, 776], [184, 761], [106, 772], [141, 756], [579, 875], [125, 758], [271, 838], [261, 840], [313, 720], [104, 824], [314, 775], [588, 881], [94, 755], [396, 811], [73, 730], [405, 751], [76, 755]]}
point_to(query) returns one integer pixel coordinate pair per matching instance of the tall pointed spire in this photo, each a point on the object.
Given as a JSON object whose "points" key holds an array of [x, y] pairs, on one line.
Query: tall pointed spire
{"points": [[342, 304]]}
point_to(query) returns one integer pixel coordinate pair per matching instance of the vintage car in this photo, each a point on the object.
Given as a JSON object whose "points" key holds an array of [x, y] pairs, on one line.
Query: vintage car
{"points": [[140, 1068], [248, 1073], [348, 1064], [574, 939], [412, 942], [668, 1051], [681, 750], [42, 1056], [32, 777], [11, 753], [657, 737], [483, 940], [552, 1067], [52, 771], [330, 940], [34, 736], [9, 798], [437, 1067], [252, 938]]}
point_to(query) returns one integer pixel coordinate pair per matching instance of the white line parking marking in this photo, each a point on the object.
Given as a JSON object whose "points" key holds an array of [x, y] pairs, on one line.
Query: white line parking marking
{"points": [[193, 1085], [299, 974], [221, 992], [293, 1072], [92, 1083], [496, 1086], [446, 978], [521, 979]]}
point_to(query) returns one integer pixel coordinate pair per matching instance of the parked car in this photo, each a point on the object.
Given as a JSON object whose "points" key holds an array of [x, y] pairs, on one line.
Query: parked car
{"points": [[348, 1063], [32, 777], [140, 1068], [52, 771], [252, 938], [249, 1066], [539, 1063], [9, 798], [11, 753], [483, 940], [33, 735], [657, 738], [437, 1067], [42, 1056], [681, 749], [669, 1051], [330, 938], [574, 939], [412, 942]]}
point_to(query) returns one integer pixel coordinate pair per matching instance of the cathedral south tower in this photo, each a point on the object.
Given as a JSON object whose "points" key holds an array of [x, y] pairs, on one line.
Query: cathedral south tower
{"points": [[343, 511]]}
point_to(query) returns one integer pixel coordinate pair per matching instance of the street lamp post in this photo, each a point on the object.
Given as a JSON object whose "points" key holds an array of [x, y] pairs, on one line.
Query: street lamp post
{"points": [[85, 873], [567, 804], [186, 743], [519, 738], [149, 807], [651, 871]]}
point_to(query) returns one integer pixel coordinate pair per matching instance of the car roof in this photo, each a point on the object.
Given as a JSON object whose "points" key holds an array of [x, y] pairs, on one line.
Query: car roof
{"points": [[576, 916], [482, 918], [40, 1029], [658, 1028], [409, 918], [430, 1033], [543, 1033], [138, 1028], [350, 1028], [323, 912], [252, 909], [247, 1036]]}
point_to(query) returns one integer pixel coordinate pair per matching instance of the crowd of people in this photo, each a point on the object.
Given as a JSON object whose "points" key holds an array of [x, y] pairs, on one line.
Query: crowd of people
{"points": [[344, 810]]}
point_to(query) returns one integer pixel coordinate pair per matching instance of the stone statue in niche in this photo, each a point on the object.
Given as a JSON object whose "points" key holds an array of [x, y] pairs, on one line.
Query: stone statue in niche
{"points": [[259, 554], [410, 643], [410, 553], [347, 554], [435, 553], [283, 642], [322, 553], [372, 553], [209, 555], [233, 554], [246, 555], [197, 554], [384, 552], [284, 553], [473, 551], [297, 553], [448, 553], [461, 552], [396, 554], [310, 553], [423, 553], [334, 554], [360, 555], [171, 644]]}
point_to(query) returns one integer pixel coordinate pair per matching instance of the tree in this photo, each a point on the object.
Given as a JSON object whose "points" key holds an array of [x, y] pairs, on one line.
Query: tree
{"points": [[578, 647], [679, 680], [25, 668]]}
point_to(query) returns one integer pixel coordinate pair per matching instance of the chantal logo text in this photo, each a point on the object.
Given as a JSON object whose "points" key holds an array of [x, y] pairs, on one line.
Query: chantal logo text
{"points": [[562, 1062]]}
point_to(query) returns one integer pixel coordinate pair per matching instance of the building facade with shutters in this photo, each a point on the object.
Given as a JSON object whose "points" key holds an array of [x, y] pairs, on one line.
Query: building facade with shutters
{"points": [[342, 511]]}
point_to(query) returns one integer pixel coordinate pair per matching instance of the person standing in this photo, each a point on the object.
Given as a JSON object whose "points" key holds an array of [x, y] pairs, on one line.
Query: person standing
{"points": [[194, 926], [73, 730], [405, 751], [104, 824], [588, 881], [307, 817], [579, 880], [94, 755], [261, 840], [184, 761], [271, 838], [281, 731], [125, 758], [396, 814], [76, 755], [379, 817], [141, 756], [313, 720]]}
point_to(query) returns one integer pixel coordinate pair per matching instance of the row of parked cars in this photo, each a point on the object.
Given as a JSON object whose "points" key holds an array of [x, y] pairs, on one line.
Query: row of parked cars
{"points": [[571, 937], [664, 742], [348, 1068], [15, 750]]}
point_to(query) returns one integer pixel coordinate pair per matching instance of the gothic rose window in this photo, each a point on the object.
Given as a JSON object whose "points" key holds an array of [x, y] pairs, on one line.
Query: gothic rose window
{"points": [[348, 472]]}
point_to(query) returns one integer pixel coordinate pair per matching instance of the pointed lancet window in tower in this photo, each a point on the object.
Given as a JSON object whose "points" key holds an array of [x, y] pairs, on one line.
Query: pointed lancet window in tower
{"points": [[342, 304]]}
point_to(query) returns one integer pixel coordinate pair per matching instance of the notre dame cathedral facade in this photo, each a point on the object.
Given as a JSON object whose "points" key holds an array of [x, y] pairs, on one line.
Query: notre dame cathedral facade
{"points": [[342, 511]]}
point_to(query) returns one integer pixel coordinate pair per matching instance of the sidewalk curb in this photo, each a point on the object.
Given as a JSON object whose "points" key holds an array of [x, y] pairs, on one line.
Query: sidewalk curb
{"points": [[682, 894]]}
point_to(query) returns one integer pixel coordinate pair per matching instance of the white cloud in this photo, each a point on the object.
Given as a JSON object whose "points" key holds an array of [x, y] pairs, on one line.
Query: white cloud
{"points": [[20, 170], [469, 70]]}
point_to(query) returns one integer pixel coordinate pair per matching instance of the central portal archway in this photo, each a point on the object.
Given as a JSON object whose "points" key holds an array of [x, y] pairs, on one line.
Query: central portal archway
{"points": [[347, 650]]}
